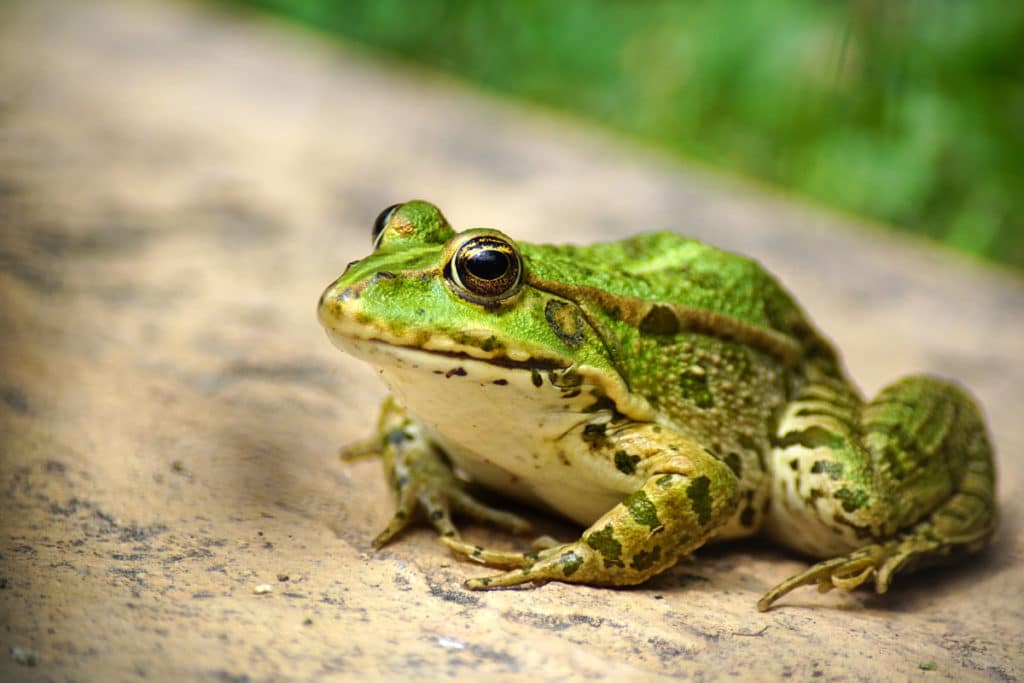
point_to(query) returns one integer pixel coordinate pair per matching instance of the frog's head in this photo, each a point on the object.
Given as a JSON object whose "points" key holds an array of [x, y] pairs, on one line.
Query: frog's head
{"points": [[470, 294]]}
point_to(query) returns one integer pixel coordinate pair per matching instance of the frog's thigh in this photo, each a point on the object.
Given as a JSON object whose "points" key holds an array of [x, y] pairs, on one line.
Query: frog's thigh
{"points": [[686, 496], [906, 480]]}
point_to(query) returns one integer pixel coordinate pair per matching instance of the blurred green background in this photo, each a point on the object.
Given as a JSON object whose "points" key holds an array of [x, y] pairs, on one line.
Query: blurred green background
{"points": [[908, 112]]}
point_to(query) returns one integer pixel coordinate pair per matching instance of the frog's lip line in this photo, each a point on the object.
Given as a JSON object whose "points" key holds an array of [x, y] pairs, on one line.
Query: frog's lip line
{"points": [[534, 364]]}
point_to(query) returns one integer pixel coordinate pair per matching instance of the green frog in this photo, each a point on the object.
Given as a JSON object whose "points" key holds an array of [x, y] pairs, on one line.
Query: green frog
{"points": [[658, 391]]}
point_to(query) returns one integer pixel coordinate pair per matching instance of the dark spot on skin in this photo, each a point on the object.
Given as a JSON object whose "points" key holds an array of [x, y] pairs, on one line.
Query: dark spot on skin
{"points": [[833, 469], [699, 492], [383, 275], [436, 515], [735, 463], [852, 500], [565, 379], [626, 463], [660, 320], [536, 378], [500, 382], [565, 321], [645, 559], [397, 435], [695, 387], [642, 510], [572, 394], [604, 542], [748, 516], [665, 481], [455, 372], [570, 562], [594, 434], [794, 464]]}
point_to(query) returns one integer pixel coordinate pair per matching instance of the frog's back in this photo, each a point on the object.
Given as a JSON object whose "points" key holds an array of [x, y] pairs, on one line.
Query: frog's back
{"points": [[666, 268]]}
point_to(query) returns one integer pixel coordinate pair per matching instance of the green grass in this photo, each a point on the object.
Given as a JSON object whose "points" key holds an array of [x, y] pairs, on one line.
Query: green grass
{"points": [[909, 112]]}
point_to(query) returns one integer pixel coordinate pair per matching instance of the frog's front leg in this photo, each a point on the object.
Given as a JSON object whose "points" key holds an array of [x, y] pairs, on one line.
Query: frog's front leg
{"points": [[687, 494], [422, 478]]}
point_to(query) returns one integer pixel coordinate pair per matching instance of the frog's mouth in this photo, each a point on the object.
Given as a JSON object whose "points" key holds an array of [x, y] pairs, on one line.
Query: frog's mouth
{"points": [[444, 348], [441, 357]]}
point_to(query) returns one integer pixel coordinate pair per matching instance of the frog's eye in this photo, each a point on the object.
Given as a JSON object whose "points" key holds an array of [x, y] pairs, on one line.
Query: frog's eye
{"points": [[485, 269], [381, 222]]}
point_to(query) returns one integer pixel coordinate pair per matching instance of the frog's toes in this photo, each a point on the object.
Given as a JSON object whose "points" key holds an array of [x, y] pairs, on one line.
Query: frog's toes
{"points": [[471, 507], [570, 562], [847, 573], [492, 558]]}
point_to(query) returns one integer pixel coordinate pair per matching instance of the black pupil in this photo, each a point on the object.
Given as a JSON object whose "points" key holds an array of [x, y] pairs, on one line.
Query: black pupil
{"points": [[382, 220], [489, 264]]}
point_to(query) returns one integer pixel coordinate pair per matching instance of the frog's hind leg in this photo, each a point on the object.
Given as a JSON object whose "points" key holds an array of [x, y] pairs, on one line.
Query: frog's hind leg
{"points": [[910, 474]]}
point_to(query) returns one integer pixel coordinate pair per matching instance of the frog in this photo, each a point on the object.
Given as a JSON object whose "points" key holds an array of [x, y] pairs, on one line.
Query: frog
{"points": [[659, 392]]}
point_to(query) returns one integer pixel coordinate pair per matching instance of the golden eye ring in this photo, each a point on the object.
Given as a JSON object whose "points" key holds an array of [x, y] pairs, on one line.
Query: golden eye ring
{"points": [[485, 269]]}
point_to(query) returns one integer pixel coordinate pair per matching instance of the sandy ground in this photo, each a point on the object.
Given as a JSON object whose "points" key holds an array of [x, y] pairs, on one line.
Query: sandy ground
{"points": [[177, 185]]}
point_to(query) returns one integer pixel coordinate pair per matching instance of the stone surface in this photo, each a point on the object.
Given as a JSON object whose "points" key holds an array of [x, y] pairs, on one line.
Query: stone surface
{"points": [[177, 185]]}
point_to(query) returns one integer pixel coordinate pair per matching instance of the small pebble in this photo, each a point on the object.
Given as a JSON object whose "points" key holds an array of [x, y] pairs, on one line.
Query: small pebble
{"points": [[263, 588], [24, 656]]}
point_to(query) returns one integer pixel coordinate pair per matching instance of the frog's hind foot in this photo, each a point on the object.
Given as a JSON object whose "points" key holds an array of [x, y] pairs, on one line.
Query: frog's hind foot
{"points": [[924, 545], [846, 572]]}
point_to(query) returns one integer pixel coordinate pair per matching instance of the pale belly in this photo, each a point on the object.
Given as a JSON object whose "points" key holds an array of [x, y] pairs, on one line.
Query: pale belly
{"points": [[502, 429]]}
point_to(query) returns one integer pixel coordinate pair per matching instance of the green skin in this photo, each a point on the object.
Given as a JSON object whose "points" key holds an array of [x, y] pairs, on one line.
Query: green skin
{"points": [[659, 391]]}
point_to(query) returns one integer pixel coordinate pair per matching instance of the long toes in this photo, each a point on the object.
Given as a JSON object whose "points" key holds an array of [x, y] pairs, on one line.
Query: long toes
{"points": [[511, 578], [847, 572], [407, 502], [570, 562], [394, 527], [469, 505], [493, 558], [367, 448]]}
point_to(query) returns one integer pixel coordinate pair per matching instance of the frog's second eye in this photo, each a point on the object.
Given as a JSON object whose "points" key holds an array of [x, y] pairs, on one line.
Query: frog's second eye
{"points": [[381, 222], [485, 269]]}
